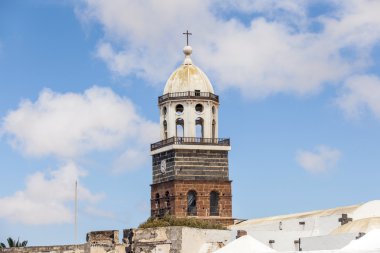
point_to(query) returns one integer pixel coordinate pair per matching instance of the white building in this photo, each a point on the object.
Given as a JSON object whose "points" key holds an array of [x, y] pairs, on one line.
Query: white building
{"points": [[317, 230]]}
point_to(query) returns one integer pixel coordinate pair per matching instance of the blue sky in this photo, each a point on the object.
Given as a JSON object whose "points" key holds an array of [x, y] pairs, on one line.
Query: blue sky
{"points": [[300, 99]]}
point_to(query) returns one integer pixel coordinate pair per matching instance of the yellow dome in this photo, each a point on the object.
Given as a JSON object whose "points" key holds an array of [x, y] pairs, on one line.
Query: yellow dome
{"points": [[188, 77]]}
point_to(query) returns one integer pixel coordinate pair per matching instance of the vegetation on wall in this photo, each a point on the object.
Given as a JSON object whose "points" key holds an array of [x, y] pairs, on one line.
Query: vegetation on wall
{"points": [[168, 221]]}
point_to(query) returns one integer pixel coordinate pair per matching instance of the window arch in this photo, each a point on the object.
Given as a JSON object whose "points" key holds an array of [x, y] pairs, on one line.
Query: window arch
{"points": [[180, 128], [192, 203], [157, 201], [165, 129], [214, 203], [199, 127], [167, 199], [213, 128]]}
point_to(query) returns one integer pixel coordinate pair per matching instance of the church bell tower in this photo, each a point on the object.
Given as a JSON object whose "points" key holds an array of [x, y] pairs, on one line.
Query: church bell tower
{"points": [[190, 163]]}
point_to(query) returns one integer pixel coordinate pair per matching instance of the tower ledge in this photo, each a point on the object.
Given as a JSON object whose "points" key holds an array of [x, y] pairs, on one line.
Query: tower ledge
{"points": [[182, 142]]}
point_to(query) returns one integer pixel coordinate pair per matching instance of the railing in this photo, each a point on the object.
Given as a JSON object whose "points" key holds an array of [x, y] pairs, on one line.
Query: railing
{"points": [[188, 94], [190, 141]]}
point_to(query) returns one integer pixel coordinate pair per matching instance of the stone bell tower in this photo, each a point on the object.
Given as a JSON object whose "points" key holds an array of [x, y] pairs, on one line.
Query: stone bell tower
{"points": [[190, 163]]}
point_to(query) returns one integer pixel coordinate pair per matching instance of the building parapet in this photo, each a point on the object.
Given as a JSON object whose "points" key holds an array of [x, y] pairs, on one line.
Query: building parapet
{"points": [[190, 141], [188, 95]]}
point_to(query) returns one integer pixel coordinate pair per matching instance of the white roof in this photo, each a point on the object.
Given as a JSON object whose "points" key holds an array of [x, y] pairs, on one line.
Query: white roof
{"points": [[356, 226], [370, 241], [361, 211], [188, 77], [245, 244]]}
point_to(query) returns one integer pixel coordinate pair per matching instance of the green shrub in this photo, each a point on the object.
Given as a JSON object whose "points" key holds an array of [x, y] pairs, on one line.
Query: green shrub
{"points": [[168, 221]]}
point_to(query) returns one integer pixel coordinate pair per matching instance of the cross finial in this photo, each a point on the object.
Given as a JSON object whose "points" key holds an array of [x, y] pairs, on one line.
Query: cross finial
{"points": [[187, 36]]}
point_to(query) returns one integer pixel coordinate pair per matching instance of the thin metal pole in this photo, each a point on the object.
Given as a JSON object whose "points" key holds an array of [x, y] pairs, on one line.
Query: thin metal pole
{"points": [[76, 214]]}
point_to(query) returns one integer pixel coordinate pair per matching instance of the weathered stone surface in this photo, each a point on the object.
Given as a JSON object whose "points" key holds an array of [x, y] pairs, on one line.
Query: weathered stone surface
{"points": [[176, 204], [176, 239], [190, 165], [107, 237]]}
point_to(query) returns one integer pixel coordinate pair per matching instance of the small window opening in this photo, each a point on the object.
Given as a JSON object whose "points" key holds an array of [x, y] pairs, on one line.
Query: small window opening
{"points": [[213, 128], [179, 109], [192, 203], [157, 201], [180, 128], [167, 199], [199, 108], [199, 128], [164, 110], [165, 129], [197, 92], [214, 203]]}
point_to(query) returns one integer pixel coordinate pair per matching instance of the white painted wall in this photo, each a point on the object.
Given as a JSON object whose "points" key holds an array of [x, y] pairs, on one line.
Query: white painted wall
{"points": [[193, 239], [327, 242]]}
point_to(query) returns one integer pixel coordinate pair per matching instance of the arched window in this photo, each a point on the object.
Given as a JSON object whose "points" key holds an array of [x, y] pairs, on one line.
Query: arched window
{"points": [[192, 203], [180, 129], [214, 203], [167, 204], [157, 201], [165, 129], [167, 199], [199, 127], [213, 128]]}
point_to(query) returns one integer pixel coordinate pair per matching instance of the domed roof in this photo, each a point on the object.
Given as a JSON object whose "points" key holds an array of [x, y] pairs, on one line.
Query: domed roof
{"points": [[188, 77]]}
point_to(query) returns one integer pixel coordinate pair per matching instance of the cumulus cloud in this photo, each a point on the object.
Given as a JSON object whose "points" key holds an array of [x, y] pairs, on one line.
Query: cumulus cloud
{"points": [[361, 94], [67, 125], [319, 160], [130, 159], [46, 197], [280, 50]]}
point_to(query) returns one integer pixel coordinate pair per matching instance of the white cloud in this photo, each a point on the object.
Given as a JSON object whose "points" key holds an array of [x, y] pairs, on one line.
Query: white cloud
{"points": [[275, 52], [131, 159], [361, 93], [321, 159], [70, 124], [47, 197]]}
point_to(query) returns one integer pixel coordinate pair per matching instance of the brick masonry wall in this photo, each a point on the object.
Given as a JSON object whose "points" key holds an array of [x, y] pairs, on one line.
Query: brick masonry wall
{"points": [[185, 164], [176, 204]]}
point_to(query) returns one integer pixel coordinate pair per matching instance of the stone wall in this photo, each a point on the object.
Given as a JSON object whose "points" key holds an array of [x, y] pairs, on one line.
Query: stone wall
{"points": [[81, 248], [175, 239], [191, 164], [151, 240], [177, 202]]}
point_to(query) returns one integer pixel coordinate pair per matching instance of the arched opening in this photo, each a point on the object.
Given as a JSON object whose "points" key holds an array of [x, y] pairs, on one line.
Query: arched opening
{"points": [[164, 110], [199, 127], [157, 201], [192, 203], [165, 129], [213, 128], [199, 108], [180, 129], [167, 203], [167, 199], [214, 203], [179, 109]]}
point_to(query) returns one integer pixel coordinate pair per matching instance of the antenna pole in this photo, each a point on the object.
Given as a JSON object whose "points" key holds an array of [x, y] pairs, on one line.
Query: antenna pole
{"points": [[76, 214]]}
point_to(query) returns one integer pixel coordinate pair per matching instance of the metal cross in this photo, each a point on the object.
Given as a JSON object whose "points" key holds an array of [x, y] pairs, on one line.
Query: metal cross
{"points": [[187, 36]]}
